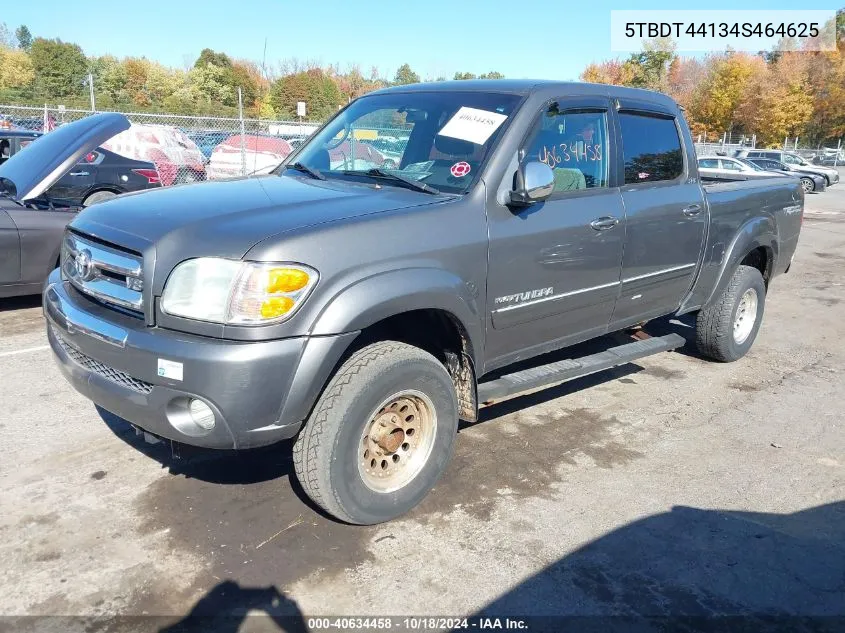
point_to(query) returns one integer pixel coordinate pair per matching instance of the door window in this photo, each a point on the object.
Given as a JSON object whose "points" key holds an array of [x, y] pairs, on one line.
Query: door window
{"points": [[730, 165], [708, 163], [574, 145], [651, 148], [791, 160]]}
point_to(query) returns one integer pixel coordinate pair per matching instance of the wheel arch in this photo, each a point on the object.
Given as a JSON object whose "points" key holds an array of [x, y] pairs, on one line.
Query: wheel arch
{"points": [[429, 308], [755, 244]]}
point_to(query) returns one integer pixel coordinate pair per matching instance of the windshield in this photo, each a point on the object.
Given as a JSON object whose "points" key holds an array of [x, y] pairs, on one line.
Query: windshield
{"points": [[440, 139]]}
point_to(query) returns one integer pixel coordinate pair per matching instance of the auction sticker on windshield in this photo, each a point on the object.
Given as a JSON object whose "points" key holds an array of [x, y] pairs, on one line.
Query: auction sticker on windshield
{"points": [[473, 125]]}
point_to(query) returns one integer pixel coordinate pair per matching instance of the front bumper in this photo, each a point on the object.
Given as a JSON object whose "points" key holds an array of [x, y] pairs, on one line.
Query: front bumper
{"points": [[114, 360]]}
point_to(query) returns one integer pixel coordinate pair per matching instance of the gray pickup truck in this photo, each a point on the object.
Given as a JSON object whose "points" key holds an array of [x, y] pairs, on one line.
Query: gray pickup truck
{"points": [[366, 309]]}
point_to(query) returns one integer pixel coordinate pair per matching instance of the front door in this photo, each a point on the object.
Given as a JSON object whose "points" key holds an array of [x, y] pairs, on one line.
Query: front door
{"points": [[10, 250], [666, 218], [554, 267]]}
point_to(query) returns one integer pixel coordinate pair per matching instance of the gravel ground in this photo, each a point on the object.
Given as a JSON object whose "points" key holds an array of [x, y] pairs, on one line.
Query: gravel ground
{"points": [[673, 486]]}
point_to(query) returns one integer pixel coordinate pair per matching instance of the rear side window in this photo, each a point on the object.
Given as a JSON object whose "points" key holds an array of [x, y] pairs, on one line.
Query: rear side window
{"points": [[651, 148], [730, 165]]}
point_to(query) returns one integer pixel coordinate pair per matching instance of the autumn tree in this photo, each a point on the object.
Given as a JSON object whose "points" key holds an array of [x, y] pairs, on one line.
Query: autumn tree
{"points": [[16, 70], [725, 89]]}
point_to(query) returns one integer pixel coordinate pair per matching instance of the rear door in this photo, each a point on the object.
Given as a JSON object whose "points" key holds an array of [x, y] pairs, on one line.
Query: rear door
{"points": [[666, 215], [553, 270], [74, 185]]}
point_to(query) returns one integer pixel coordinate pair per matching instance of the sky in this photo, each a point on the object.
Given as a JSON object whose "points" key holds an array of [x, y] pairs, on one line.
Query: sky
{"points": [[520, 38]]}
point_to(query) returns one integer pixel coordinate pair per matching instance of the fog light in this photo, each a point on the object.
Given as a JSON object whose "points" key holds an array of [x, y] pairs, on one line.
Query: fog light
{"points": [[201, 414]]}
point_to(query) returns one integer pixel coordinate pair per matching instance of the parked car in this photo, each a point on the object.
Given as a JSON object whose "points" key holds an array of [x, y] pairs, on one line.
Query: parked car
{"points": [[32, 218], [206, 140], [99, 175], [256, 154], [176, 157], [830, 158], [812, 182], [356, 155], [365, 312], [793, 160], [727, 168]]}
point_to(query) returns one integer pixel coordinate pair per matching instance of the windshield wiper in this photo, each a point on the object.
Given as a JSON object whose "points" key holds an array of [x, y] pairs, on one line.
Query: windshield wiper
{"points": [[9, 196], [416, 185], [305, 169]]}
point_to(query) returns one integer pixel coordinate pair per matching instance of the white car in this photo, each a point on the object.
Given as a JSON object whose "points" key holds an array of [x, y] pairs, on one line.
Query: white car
{"points": [[177, 158], [250, 156], [725, 168]]}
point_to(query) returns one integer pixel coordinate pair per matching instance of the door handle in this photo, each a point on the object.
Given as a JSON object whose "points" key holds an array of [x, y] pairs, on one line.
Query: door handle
{"points": [[604, 223], [78, 173], [692, 210]]}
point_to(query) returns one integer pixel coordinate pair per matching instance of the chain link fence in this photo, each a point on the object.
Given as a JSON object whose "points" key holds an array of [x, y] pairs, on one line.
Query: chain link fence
{"points": [[729, 144], [183, 148]]}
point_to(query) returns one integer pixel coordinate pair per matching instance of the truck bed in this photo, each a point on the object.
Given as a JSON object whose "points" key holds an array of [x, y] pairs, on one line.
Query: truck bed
{"points": [[776, 203]]}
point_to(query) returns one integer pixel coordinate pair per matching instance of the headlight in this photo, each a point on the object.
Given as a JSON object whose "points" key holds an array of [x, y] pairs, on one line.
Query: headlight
{"points": [[235, 292]]}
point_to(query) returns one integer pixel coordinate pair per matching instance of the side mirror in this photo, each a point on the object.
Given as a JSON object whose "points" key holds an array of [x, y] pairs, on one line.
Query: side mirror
{"points": [[535, 181]]}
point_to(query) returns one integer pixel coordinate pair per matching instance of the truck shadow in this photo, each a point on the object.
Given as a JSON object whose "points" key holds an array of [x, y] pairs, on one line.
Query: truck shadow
{"points": [[690, 569], [228, 605], [20, 303]]}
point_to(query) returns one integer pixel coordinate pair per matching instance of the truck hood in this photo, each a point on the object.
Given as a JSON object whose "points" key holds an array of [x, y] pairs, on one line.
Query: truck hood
{"points": [[227, 218], [30, 173]]}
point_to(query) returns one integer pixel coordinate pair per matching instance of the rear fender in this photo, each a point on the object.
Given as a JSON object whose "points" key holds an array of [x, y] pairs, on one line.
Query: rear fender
{"points": [[756, 232]]}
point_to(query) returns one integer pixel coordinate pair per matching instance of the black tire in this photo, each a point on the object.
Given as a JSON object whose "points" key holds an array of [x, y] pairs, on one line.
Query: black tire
{"points": [[326, 454], [715, 325], [98, 196]]}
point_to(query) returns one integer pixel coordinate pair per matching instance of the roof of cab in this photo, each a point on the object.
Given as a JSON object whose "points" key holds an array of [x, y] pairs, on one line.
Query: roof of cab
{"points": [[529, 86]]}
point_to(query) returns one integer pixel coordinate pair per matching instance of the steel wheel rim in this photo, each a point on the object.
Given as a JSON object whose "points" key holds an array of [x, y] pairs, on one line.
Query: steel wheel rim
{"points": [[808, 185], [397, 441], [746, 316]]}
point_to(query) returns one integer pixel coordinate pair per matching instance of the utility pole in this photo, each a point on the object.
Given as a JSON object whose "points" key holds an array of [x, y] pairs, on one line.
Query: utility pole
{"points": [[91, 92]]}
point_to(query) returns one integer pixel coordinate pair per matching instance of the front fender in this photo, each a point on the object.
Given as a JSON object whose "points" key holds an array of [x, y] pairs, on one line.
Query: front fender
{"points": [[755, 233], [387, 294]]}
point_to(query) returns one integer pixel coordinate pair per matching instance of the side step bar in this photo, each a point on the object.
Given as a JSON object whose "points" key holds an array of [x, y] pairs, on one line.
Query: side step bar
{"points": [[568, 369]]}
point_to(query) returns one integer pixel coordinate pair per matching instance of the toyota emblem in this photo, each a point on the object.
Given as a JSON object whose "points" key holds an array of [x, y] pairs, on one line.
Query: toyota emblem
{"points": [[83, 265]]}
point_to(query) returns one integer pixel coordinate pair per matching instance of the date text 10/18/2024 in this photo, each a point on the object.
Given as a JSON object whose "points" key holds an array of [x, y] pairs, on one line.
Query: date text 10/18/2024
{"points": [[421, 623]]}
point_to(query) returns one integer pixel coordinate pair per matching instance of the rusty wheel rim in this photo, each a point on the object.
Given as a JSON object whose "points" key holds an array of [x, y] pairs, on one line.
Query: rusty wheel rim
{"points": [[397, 441]]}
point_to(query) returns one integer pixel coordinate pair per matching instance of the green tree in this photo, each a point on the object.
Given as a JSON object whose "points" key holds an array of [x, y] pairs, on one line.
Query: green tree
{"points": [[491, 75], [320, 93], [24, 38], [650, 67], [208, 56], [462, 76], [404, 75], [60, 68]]}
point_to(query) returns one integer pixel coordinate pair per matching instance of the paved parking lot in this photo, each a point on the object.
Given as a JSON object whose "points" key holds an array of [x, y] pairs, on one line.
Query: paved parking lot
{"points": [[670, 486]]}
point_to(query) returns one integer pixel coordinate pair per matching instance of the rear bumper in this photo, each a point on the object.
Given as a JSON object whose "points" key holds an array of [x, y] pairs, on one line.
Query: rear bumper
{"points": [[114, 360]]}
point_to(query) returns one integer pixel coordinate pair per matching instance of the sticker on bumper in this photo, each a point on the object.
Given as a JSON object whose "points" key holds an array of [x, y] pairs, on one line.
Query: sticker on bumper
{"points": [[169, 369]]}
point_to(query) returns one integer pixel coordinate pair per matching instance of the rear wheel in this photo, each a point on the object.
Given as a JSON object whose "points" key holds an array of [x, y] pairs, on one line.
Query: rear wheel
{"points": [[808, 185], [381, 434], [726, 329], [98, 196]]}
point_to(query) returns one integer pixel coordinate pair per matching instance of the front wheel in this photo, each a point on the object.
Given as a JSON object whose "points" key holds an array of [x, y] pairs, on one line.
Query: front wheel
{"points": [[380, 436], [808, 185], [726, 329]]}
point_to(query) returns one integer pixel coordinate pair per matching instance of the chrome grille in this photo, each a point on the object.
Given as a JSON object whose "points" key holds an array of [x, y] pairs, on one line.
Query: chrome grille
{"points": [[107, 273], [109, 373]]}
